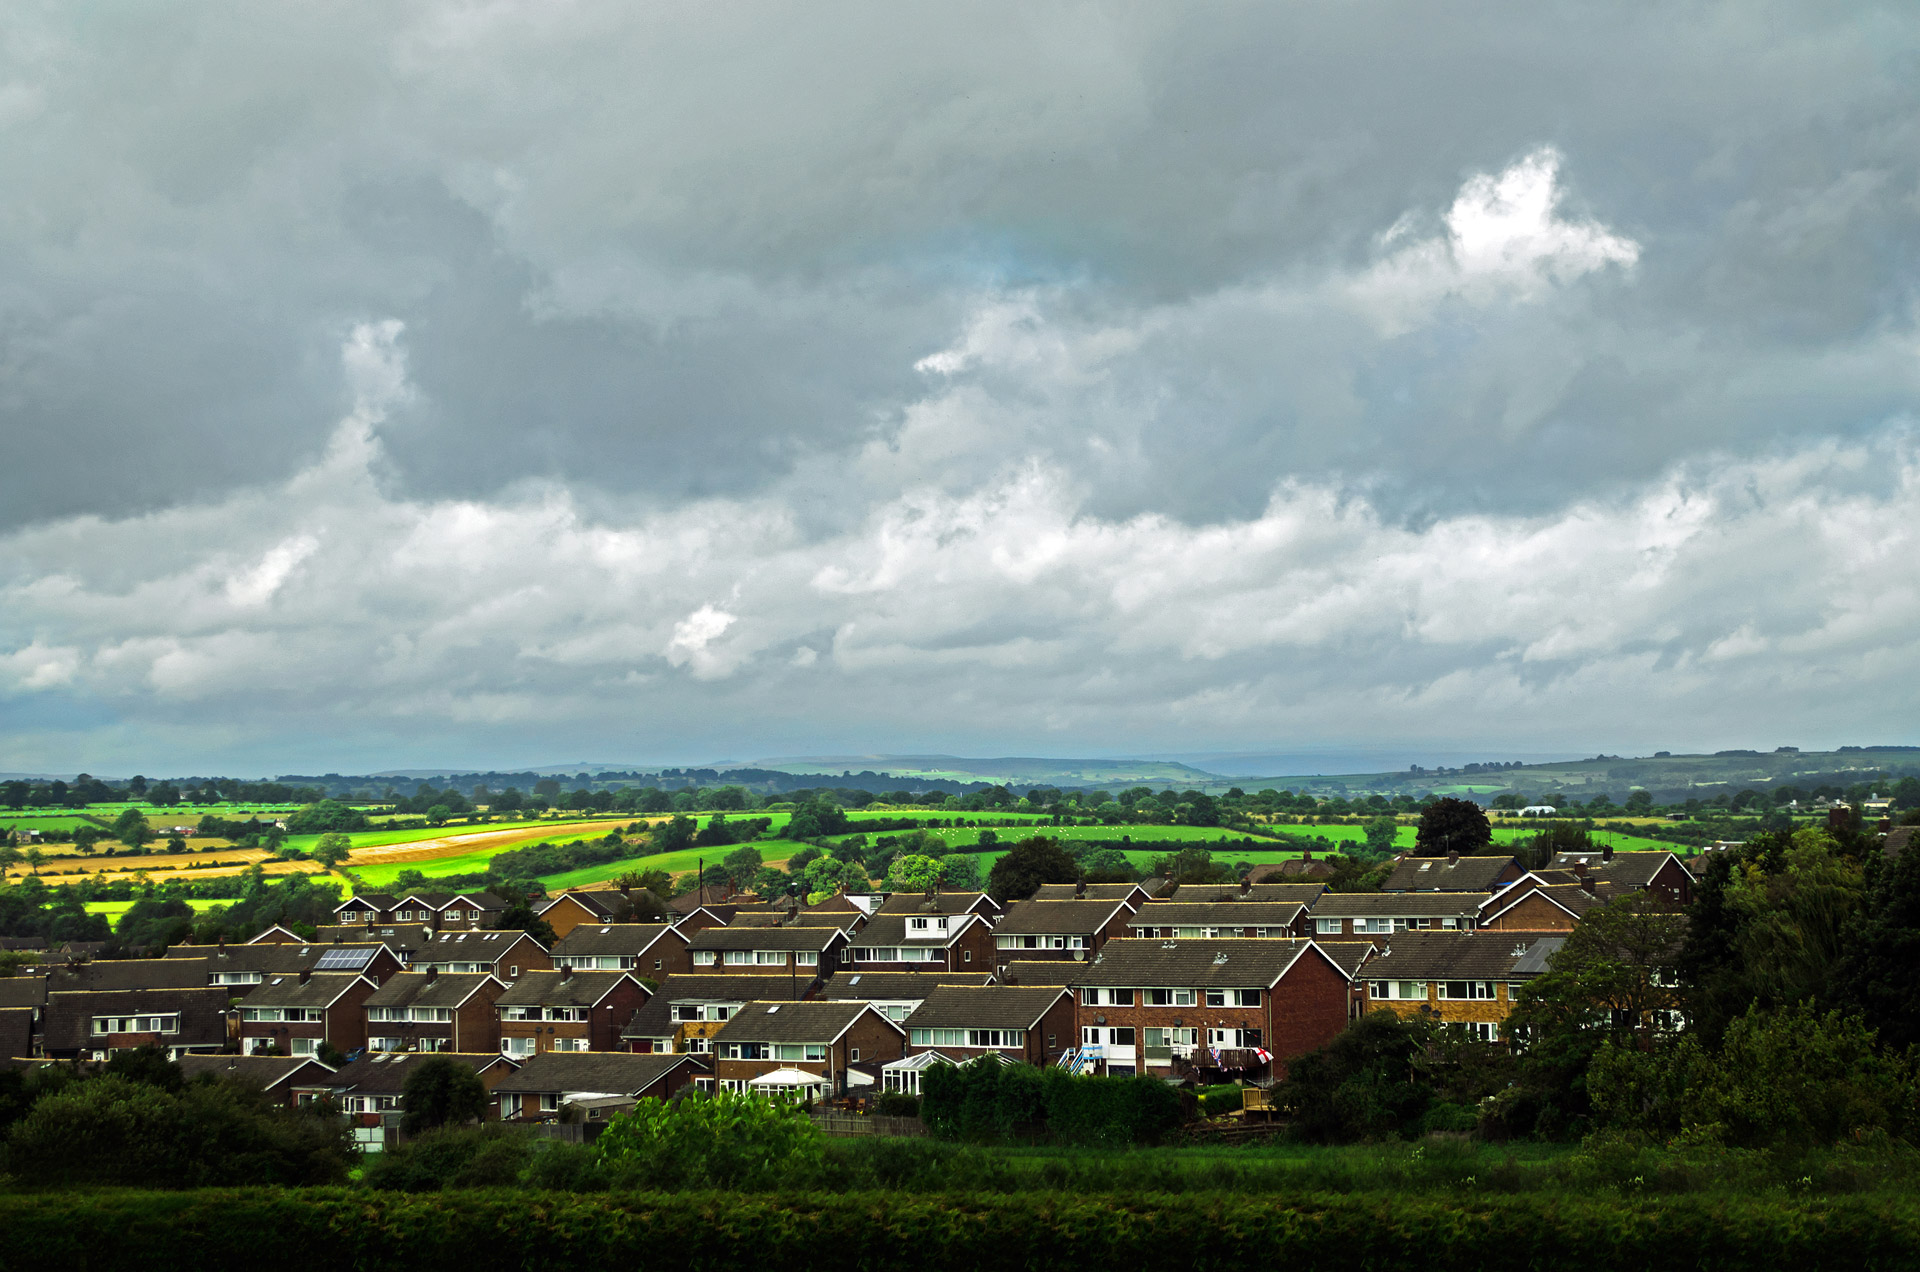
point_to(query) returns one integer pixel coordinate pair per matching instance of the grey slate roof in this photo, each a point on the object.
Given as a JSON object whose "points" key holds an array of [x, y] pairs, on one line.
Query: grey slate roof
{"points": [[785, 938], [552, 989], [611, 938], [1534, 961], [1626, 869], [1043, 971], [472, 945], [23, 991], [406, 939], [1296, 893], [607, 1072], [131, 973], [1436, 956], [1065, 918], [417, 989], [898, 986], [265, 1072], [986, 1007], [1416, 905], [816, 1021], [273, 958], [1238, 914], [1570, 897], [1468, 874], [385, 1073], [1218, 964], [681, 987], [322, 989], [1091, 892]]}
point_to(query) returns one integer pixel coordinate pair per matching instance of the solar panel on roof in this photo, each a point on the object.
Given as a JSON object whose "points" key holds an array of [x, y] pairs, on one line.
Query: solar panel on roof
{"points": [[338, 959]]}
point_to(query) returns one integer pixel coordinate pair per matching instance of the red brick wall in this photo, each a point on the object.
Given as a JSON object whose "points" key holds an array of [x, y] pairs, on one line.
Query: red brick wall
{"points": [[1310, 1007]]}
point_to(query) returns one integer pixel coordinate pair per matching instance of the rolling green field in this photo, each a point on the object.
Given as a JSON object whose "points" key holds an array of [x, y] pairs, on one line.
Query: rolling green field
{"points": [[114, 909]]}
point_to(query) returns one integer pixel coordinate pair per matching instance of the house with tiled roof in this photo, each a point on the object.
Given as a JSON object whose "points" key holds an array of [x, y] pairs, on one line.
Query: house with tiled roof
{"points": [[896, 994], [942, 902], [1214, 1008], [295, 1014], [278, 1076], [1209, 920], [565, 1010], [241, 967], [1268, 893], [649, 950], [94, 1009], [807, 1048], [598, 1085], [431, 1010], [1468, 979], [1058, 929], [1380, 914], [687, 1010], [965, 1022], [502, 953], [800, 951], [957, 942], [1131, 894]]}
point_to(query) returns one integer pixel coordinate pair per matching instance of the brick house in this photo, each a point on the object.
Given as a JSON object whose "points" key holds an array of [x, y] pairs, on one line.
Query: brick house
{"points": [[848, 921], [366, 909], [405, 940], [570, 909], [1058, 929], [94, 1009], [924, 942], [295, 1014], [442, 910], [565, 1010], [502, 953], [1211, 920], [430, 1010], [1030, 1023], [1453, 873], [897, 994], [1223, 1008], [798, 951], [1380, 914], [1661, 872], [649, 950], [1535, 906], [822, 1039], [597, 1082], [1468, 979], [688, 1010]]}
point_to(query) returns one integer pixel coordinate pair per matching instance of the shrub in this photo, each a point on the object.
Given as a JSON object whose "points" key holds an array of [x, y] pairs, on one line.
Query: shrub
{"points": [[456, 1157], [985, 1101], [725, 1140]]}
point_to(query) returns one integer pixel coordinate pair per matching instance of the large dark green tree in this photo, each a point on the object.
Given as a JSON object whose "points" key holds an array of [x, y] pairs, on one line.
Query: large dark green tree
{"points": [[1452, 825], [441, 1091], [1878, 973], [1027, 865]]}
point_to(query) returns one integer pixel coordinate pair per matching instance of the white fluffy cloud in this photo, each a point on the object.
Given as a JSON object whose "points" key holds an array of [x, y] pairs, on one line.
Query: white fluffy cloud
{"points": [[1723, 593]]}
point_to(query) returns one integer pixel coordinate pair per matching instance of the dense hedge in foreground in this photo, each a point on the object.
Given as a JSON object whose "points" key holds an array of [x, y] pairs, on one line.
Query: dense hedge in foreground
{"points": [[338, 1228]]}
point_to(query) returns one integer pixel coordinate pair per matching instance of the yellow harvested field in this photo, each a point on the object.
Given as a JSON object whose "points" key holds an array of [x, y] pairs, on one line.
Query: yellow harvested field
{"points": [[475, 841]]}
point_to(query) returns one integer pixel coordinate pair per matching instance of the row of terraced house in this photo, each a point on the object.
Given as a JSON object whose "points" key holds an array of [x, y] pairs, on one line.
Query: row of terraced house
{"points": [[854, 995]]}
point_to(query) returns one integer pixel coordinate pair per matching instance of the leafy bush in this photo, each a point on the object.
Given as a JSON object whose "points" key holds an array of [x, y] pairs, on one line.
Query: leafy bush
{"points": [[455, 1157], [984, 1101], [725, 1140], [112, 1130]]}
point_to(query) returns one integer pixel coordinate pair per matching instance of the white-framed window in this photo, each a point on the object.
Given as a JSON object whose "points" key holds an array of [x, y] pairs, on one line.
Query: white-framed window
{"points": [[386, 1044], [513, 972], [261, 1015], [519, 1013], [770, 958], [519, 1048], [236, 978], [1329, 927], [969, 1037], [1471, 991], [165, 1024], [550, 1101], [802, 958], [735, 957], [1093, 997], [434, 1044], [1374, 927], [800, 1051], [703, 958], [1158, 1036], [375, 1014], [569, 1015], [570, 1044], [1246, 997], [303, 1046], [430, 1015], [1233, 1038], [1168, 997], [1397, 991]]}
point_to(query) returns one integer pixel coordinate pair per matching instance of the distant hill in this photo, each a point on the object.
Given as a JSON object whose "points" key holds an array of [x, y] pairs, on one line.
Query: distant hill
{"points": [[1022, 770]]}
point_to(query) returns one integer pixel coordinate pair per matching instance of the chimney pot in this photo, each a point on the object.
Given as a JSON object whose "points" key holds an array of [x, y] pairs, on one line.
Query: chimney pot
{"points": [[1453, 857], [1606, 853]]}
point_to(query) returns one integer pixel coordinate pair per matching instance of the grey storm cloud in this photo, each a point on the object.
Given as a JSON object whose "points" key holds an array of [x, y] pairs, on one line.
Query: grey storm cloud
{"points": [[467, 381]]}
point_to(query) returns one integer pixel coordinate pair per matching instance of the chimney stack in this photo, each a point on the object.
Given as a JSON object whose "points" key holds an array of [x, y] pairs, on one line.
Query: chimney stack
{"points": [[1606, 853], [566, 973], [433, 972], [1453, 857], [1080, 889], [306, 974]]}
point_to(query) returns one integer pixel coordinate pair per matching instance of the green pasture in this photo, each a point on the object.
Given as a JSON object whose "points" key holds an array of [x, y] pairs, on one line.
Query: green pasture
{"points": [[44, 821], [114, 909], [572, 828], [965, 836]]}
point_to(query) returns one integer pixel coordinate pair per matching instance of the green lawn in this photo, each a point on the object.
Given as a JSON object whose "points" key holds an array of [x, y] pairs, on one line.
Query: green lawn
{"points": [[114, 909]]}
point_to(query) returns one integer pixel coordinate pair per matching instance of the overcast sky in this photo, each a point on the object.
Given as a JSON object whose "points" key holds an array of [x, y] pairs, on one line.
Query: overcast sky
{"points": [[505, 384]]}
